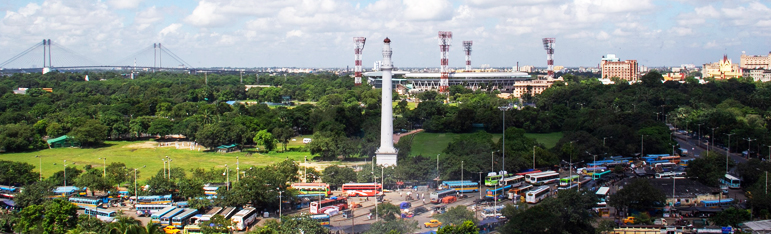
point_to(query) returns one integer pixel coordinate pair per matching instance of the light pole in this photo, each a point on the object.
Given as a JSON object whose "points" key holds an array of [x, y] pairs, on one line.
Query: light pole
{"points": [[135, 183], [749, 143], [65, 173], [279, 202], [169, 159], [503, 136], [238, 172], [104, 170], [462, 185], [492, 161], [41, 166], [437, 168], [533, 158], [480, 185], [305, 172], [227, 176], [164, 167], [712, 137], [699, 133], [642, 145]]}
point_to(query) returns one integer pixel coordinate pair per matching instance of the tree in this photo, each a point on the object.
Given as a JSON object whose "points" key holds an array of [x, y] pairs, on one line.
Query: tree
{"points": [[34, 194], [57, 216], [639, 194], [468, 227], [88, 224], [93, 180], [199, 204], [159, 185], [18, 137], [17, 173], [386, 211], [161, 127], [311, 174], [336, 175], [117, 173], [58, 177], [731, 217], [569, 212], [90, 133], [189, 188], [708, 168], [457, 215], [291, 225], [266, 139], [217, 224], [283, 135], [393, 226]]}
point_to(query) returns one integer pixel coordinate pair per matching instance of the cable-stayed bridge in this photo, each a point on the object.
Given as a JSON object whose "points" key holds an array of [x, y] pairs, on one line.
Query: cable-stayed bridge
{"points": [[155, 57]]}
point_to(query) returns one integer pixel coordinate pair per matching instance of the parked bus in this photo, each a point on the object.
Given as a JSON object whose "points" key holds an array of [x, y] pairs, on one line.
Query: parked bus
{"points": [[159, 199], [436, 196], [104, 215], [567, 181], [731, 181], [312, 189], [669, 175], [591, 170], [192, 229], [463, 187], [494, 192], [362, 189], [156, 217], [228, 212], [147, 210], [244, 218], [544, 178], [9, 191], [323, 219], [528, 172], [650, 158], [599, 175], [528, 176], [514, 181], [87, 202], [183, 218], [716, 203], [166, 219], [211, 213], [538, 194], [685, 162], [572, 186], [521, 190], [602, 196], [492, 179], [672, 159], [318, 207]]}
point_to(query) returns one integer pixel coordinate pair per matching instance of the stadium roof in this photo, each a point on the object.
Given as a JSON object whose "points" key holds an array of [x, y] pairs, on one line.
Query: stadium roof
{"points": [[458, 75]]}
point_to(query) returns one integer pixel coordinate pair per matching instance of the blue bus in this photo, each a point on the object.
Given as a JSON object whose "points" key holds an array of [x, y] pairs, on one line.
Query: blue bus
{"points": [[716, 203], [493, 192], [322, 219], [731, 181], [455, 181], [166, 219], [464, 187], [88, 202], [183, 218], [599, 175], [156, 217], [158, 199], [104, 215], [8, 189], [147, 210], [650, 158]]}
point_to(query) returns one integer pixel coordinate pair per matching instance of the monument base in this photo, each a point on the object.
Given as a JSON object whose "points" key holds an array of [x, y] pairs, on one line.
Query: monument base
{"points": [[385, 159]]}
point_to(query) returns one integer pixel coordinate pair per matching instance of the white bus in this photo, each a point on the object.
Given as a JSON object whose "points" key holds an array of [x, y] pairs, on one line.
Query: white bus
{"points": [[244, 218], [602, 196], [156, 217], [147, 210], [104, 215], [545, 178], [538, 194], [670, 175], [183, 218], [528, 176], [731, 181], [208, 215], [514, 181]]}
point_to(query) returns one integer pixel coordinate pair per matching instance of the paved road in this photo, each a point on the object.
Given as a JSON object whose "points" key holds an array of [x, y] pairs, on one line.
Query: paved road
{"points": [[697, 148]]}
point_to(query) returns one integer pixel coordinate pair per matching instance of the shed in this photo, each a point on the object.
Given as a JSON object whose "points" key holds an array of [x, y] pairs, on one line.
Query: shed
{"points": [[227, 148], [62, 141], [762, 226]]}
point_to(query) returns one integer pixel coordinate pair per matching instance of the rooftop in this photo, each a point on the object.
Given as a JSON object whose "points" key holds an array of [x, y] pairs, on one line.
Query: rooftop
{"points": [[762, 225], [683, 187]]}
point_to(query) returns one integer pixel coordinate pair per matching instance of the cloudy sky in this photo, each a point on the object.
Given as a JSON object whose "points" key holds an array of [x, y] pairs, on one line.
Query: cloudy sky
{"points": [[318, 33]]}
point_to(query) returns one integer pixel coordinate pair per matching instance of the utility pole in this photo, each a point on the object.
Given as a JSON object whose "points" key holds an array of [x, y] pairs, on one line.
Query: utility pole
{"points": [[238, 172], [712, 137], [503, 136], [41, 166], [65, 173], [642, 146], [437, 168], [533, 158], [729, 152]]}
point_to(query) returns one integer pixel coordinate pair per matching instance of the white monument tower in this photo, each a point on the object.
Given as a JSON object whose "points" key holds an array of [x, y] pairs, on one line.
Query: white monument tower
{"points": [[386, 154]]}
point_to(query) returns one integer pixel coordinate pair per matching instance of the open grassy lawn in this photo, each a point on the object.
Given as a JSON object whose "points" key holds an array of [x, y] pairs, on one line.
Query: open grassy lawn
{"points": [[428, 144], [136, 154], [410, 105]]}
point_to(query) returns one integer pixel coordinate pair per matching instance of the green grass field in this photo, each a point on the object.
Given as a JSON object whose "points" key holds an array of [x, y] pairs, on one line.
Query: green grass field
{"points": [[136, 154], [433, 143]]}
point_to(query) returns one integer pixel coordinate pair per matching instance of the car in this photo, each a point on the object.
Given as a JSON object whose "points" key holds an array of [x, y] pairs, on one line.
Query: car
{"points": [[629, 220], [419, 210], [171, 230], [432, 224]]}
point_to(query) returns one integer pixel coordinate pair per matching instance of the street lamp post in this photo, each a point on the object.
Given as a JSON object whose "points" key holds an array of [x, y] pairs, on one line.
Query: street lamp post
{"points": [[437, 167], [227, 176], [642, 146], [503, 136], [136, 195], [306, 168], [104, 169], [699, 133], [65, 173], [462, 185], [279, 202], [712, 138], [164, 167], [169, 159], [238, 172], [41, 166], [480, 185], [749, 143], [533, 158]]}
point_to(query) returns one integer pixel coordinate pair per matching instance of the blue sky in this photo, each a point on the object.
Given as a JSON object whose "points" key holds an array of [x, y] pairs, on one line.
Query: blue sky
{"points": [[318, 33]]}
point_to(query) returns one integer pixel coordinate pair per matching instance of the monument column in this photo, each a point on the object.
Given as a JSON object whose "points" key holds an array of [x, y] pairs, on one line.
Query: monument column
{"points": [[386, 154]]}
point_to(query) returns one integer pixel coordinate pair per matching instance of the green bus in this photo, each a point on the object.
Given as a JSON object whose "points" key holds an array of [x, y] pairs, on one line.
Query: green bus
{"points": [[567, 181], [599, 175], [493, 180]]}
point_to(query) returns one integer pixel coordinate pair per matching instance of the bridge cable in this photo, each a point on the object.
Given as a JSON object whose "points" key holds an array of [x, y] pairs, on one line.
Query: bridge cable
{"points": [[175, 57], [74, 53], [132, 56], [14, 58]]}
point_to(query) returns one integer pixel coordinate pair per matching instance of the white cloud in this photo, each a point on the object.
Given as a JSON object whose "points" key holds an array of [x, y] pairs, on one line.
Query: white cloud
{"points": [[124, 4], [171, 29], [428, 10]]}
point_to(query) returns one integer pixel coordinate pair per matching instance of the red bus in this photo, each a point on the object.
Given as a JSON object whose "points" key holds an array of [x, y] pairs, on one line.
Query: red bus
{"points": [[529, 172], [319, 207], [362, 189]]}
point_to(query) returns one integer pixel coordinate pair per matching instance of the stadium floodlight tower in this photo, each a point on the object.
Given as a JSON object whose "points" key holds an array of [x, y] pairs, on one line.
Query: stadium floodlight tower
{"points": [[358, 43], [467, 49], [548, 45], [445, 40]]}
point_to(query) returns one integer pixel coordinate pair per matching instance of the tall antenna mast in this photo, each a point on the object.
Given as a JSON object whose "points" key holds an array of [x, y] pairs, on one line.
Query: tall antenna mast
{"points": [[467, 49], [358, 47], [548, 45], [445, 40]]}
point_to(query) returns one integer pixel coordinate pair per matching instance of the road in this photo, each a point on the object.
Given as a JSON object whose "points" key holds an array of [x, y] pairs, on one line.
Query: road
{"points": [[697, 148]]}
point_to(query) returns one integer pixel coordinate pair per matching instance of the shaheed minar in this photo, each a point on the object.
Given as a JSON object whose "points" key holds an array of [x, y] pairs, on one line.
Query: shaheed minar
{"points": [[386, 154]]}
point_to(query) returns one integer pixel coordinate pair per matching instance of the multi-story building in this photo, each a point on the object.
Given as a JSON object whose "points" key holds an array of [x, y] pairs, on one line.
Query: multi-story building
{"points": [[755, 61], [526, 68], [722, 69], [613, 67], [532, 86], [762, 75]]}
